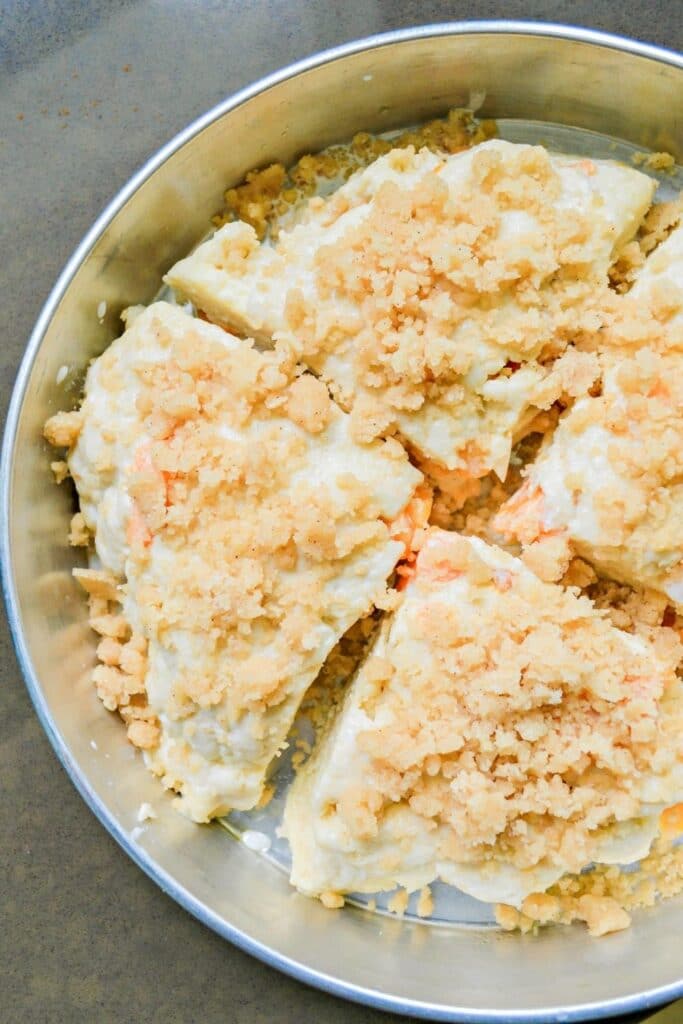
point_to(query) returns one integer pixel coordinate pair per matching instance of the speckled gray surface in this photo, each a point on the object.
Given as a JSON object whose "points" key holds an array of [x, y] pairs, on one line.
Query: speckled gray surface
{"points": [[87, 91]]}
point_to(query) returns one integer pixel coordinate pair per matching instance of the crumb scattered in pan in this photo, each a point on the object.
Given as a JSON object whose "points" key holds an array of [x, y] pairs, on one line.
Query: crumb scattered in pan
{"points": [[657, 225], [79, 535], [604, 897], [425, 903], [60, 470], [654, 161], [119, 676], [332, 900], [398, 903], [271, 192], [62, 429], [145, 812]]}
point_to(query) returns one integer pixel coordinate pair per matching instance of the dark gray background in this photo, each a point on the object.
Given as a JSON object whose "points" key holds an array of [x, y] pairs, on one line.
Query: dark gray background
{"points": [[87, 91]]}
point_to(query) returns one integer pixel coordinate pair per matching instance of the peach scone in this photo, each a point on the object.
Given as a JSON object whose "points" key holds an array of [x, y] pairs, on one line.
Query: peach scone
{"points": [[609, 483], [248, 497], [501, 733], [247, 531], [435, 294]]}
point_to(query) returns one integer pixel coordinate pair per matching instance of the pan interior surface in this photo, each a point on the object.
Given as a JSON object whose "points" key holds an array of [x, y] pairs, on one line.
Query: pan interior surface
{"points": [[563, 89]]}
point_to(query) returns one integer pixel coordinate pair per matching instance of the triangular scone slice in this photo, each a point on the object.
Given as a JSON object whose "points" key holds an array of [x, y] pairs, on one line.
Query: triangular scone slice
{"points": [[501, 733], [251, 529], [609, 485], [434, 294]]}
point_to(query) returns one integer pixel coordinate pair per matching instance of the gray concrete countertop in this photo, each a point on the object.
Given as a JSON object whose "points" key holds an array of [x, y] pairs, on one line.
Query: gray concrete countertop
{"points": [[88, 90]]}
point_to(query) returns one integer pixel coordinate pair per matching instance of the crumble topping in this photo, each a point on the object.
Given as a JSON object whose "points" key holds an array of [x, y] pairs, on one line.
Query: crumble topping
{"points": [[251, 531], [119, 676], [528, 736], [402, 287], [501, 734], [434, 296], [608, 485], [443, 280], [605, 897], [656, 227], [268, 195], [182, 497], [426, 261], [62, 429]]}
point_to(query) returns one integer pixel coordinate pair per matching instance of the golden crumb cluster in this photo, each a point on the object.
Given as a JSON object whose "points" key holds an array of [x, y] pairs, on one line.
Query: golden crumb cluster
{"points": [[268, 195], [603, 897], [427, 265], [481, 319], [629, 324], [655, 228], [226, 511], [641, 406], [119, 677], [62, 429], [609, 486], [514, 713]]}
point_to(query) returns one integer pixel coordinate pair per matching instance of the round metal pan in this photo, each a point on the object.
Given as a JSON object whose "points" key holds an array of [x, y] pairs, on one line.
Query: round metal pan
{"points": [[553, 77]]}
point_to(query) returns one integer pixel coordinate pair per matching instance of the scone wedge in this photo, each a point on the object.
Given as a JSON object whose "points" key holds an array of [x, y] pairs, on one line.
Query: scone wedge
{"points": [[248, 532], [435, 295], [501, 733]]}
